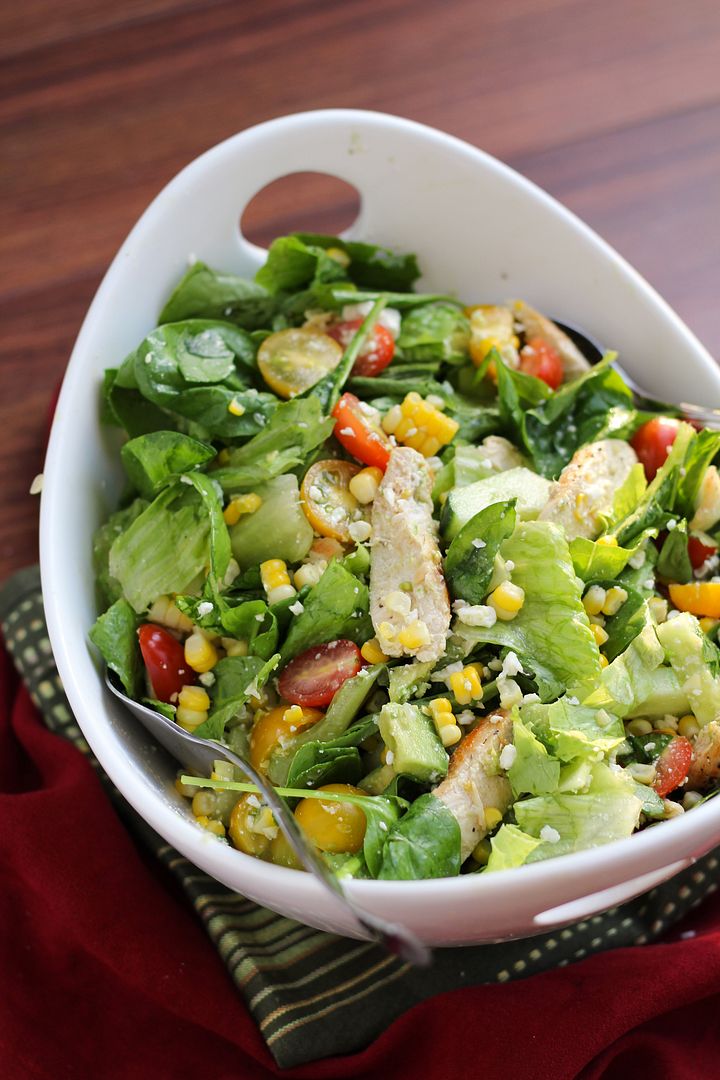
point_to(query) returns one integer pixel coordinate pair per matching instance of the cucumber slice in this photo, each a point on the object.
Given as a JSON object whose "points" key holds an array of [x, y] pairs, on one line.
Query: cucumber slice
{"points": [[530, 490]]}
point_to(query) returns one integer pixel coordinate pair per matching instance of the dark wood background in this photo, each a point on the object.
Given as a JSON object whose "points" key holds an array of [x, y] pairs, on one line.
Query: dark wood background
{"points": [[612, 105]]}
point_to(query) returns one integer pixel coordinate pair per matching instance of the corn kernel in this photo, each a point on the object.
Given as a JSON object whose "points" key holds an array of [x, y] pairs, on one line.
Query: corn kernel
{"points": [[659, 609], [466, 685], [441, 712], [691, 799], [184, 789], [241, 504], [430, 446], [481, 852], [200, 654], [603, 660], [614, 600], [234, 647], [372, 652], [224, 457], [644, 774], [391, 419], [387, 631], [414, 636], [507, 600], [638, 727], [236, 408], [594, 599], [165, 612], [309, 574], [493, 817], [194, 698], [364, 485], [273, 572], [189, 719], [450, 734], [204, 802], [280, 593], [599, 634], [212, 826], [688, 726], [607, 541]]}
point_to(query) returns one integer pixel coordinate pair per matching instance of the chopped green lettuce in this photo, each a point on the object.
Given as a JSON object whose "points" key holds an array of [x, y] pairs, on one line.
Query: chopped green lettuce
{"points": [[237, 678], [572, 730], [277, 530], [552, 627], [637, 684], [510, 847], [534, 771]]}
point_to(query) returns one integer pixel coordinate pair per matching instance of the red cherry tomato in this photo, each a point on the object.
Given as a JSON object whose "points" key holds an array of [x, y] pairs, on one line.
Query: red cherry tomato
{"points": [[165, 662], [672, 766], [358, 430], [313, 677], [376, 353], [652, 442], [699, 551], [541, 360]]}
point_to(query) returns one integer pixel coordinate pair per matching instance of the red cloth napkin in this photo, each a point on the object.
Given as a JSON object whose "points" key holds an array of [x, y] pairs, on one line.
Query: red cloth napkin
{"points": [[106, 972]]}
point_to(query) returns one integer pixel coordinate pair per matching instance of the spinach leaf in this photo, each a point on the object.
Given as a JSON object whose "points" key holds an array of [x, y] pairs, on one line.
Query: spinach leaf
{"points": [[337, 607], [597, 405], [237, 678], [203, 293], [701, 452], [294, 430], [517, 392], [630, 620], [152, 460], [438, 332], [293, 264], [674, 564], [128, 409], [115, 635], [371, 266], [470, 559], [198, 370], [331, 762], [425, 843]]}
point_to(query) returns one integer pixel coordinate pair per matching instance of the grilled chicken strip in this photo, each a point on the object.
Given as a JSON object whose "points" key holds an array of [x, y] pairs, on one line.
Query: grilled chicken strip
{"points": [[535, 325], [586, 487], [409, 603], [475, 782], [705, 764]]}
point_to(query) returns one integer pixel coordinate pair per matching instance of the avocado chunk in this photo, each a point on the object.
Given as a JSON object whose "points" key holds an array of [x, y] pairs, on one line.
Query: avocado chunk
{"points": [[413, 741], [530, 490], [277, 530]]}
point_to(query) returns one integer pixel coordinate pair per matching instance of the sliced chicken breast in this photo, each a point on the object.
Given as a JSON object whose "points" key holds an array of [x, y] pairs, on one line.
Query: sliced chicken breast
{"points": [[586, 487], [475, 781], [705, 764], [535, 325], [409, 603]]}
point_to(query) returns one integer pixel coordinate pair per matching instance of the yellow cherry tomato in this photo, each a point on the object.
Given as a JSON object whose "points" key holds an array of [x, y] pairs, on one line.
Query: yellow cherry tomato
{"points": [[293, 360], [244, 836], [280, 723], [329, 505], [699, 598], [333, 826]]}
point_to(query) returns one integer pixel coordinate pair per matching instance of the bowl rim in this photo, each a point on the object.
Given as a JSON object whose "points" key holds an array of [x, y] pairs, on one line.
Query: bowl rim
{"points": [[179, 829]]}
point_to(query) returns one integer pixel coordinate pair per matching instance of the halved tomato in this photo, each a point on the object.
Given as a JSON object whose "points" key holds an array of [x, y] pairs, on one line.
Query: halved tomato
{"points": [[164, 660], [327, 501], [358, 430], [314, 677], [376, 353], [652, 442], [700, 549], [293, 360], [538, 358], [672, 766]]}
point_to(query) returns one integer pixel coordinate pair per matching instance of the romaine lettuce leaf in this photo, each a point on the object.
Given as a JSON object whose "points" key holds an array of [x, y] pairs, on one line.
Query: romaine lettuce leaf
{"points": [[637, 684], [164, 549], [109, 589], [701, 452], [654, 508], [510, 847], [552, 627], [115, 635], [695, 661], [534, 771], [572, 730]]}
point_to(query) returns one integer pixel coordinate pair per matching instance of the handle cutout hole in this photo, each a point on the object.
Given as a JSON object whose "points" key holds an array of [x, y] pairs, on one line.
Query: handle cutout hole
{"points": [[300, 202]]}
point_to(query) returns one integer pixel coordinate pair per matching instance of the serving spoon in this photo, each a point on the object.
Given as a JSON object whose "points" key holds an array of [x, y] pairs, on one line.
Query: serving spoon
{"points": [[593, 351], [198, 755]]}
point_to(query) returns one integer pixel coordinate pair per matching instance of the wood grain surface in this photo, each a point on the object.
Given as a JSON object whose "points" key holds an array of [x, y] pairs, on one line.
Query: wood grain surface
{"points": [[612, 106]]}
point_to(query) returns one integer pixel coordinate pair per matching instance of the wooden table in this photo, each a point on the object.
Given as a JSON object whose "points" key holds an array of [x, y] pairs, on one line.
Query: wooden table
{"points": [[613, 106]]}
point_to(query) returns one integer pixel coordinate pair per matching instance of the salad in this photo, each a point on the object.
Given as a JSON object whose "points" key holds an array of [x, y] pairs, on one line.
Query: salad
{"points": [[446, 585]]}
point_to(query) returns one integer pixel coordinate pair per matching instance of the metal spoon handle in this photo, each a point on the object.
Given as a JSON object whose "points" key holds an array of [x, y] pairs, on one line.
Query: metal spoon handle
{"points": [[396, 939]]}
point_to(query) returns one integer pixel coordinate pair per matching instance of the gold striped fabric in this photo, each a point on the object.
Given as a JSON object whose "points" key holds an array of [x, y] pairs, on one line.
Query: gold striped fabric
{"points": [[312, 994]]}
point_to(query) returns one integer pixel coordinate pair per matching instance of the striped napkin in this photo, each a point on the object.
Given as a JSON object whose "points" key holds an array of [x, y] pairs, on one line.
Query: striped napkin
{"points": [[314, 994]]}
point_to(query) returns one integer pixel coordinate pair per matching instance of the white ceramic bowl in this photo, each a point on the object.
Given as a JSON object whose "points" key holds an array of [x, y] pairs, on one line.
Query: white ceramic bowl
{"points": [[480, 230]]}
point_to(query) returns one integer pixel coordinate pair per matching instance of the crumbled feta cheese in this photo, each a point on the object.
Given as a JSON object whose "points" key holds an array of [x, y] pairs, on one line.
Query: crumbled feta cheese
{"points": [[296, 608], [477, 615], [443, 674], [389, 757], [549, 835], [207, 678], [510, 692], [346, 431], [509, 565], [494, 665], [511, 665], [204, 608], [507, 756], [253, 801], [530, 699], [572, 700], [465, 717], [672, 524], [478, 543], [637, 560]]}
